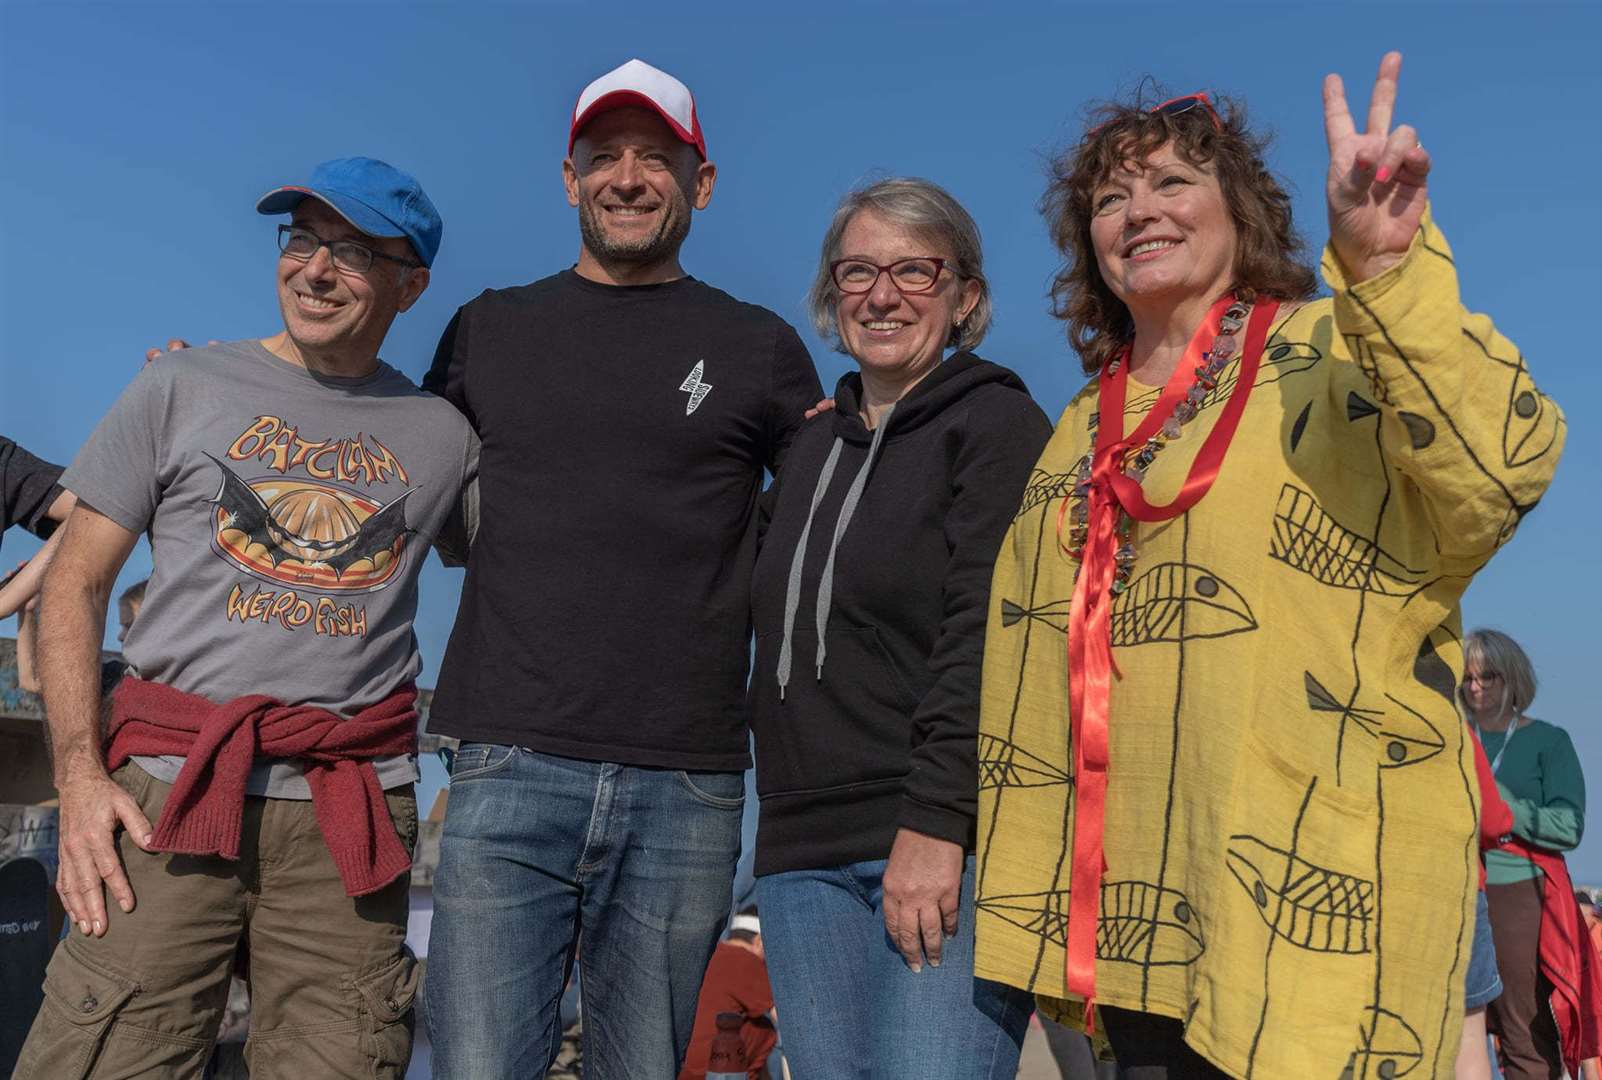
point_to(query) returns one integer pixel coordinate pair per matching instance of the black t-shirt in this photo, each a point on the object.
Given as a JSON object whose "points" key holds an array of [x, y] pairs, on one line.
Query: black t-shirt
{"points": [[27, 488], [625, 431]]}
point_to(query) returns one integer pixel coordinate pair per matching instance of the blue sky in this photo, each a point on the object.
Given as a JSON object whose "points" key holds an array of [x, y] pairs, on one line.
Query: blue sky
{"points": [[136, 137]]}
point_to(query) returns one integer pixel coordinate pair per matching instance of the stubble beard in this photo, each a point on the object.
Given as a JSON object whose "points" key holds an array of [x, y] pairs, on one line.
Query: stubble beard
{"points": [[661, 246]]}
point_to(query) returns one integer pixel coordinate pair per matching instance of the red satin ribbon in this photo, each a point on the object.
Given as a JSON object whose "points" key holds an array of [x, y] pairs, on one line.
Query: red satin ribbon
{"points": [[1090, 663]]}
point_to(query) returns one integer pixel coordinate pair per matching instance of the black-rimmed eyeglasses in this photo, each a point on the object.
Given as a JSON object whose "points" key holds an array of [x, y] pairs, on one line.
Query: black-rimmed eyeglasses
{"points": [[915, 275], [302, 244]]}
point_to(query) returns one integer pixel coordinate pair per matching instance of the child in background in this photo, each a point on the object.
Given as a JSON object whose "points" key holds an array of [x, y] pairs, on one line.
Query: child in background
{"points": [[111, 670]]}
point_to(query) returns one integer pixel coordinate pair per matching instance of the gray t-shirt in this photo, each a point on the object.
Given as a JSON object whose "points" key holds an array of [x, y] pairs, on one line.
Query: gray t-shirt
{"points": [[288, 516]]}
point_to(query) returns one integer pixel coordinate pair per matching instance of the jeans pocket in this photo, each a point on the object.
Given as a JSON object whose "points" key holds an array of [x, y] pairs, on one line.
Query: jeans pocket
{"points": [[720, 790], [387, 999], [81, 1001], [473, 760]]}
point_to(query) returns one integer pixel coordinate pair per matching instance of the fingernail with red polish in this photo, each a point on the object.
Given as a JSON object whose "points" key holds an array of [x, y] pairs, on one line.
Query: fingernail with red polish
{"points": [[1383, 175]]}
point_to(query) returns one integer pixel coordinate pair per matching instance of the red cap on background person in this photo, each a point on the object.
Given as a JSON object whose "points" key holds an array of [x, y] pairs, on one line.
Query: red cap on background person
{"points": [[638, 83]]}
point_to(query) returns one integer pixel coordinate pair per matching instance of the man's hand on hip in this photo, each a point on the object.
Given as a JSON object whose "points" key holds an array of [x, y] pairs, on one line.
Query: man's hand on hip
{"points": [[92, 807]]}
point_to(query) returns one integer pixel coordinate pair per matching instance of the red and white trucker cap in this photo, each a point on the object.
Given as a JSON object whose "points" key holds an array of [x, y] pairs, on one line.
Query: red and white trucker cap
{"points": [[638, 83]]}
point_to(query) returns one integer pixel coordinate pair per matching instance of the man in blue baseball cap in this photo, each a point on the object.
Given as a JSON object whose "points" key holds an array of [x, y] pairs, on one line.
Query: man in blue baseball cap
{"points": [[381, 233], [372, 196], [254, 784]]}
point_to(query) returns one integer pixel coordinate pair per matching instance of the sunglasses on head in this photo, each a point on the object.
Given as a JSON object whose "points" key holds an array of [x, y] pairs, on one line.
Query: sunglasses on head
{"points": [[1173, 107]]}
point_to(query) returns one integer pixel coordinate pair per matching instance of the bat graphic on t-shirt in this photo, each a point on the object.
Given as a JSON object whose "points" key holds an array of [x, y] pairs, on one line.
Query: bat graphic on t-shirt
{"points": [[310, 526]]}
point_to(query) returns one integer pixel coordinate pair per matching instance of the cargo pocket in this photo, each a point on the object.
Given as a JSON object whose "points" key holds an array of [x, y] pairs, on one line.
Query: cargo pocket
{"points": [[402, 804], [80, 1002], [387, 1018]]}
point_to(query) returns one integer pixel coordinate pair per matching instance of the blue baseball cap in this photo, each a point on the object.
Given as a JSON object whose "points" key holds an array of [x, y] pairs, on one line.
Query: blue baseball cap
{"points": [[372, 195]]}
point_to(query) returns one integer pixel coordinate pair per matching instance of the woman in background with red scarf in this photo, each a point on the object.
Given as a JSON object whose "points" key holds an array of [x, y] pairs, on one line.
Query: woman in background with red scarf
{"points": [[1547, 1012]]}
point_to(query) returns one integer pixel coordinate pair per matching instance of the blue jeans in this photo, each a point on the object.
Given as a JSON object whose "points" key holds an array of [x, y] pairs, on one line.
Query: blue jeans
{"points": [[538, 850], [1484, 983], [849, 1006]]}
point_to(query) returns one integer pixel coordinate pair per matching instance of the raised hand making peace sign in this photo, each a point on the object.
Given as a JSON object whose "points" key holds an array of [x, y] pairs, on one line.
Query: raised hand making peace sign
{"points": [[1378, 178]]}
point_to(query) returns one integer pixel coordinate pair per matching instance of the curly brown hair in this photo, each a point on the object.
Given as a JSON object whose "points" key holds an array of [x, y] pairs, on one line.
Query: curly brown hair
{"points": [[1271, 257]]}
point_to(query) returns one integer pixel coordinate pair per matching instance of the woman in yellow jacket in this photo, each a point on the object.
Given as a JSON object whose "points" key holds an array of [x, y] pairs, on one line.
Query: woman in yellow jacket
{"points": [[1224, 790]]}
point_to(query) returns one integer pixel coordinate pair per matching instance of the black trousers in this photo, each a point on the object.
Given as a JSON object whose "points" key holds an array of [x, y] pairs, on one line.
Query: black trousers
{"points": [[1150, 1047]]}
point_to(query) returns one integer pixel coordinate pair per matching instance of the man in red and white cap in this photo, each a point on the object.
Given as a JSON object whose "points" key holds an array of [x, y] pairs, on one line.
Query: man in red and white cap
{"points": [[638, 83], [596, 673]]}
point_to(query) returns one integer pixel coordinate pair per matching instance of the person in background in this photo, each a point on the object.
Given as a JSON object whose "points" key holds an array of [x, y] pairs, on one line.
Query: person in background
{"points": [[31, 496], [30, 493], [736, 982], [111, 668], [1591, 912], [868, 601], [128, 604], [1539, 776], [1237, 807], [1591, 1068]]}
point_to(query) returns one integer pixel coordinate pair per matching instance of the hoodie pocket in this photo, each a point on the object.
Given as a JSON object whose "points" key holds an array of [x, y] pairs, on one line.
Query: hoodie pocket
{"points": [[852, 725]]}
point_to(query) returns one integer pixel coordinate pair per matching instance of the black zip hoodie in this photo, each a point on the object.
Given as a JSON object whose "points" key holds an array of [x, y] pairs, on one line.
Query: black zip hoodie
{"points": [[887, 538]]}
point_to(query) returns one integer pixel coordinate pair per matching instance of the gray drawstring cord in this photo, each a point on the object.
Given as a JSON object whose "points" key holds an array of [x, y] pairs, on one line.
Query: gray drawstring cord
{"points": [[792, 589], [847, 509]]}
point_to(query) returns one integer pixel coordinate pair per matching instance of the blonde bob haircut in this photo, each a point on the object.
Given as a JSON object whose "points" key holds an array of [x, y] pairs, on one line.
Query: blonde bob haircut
{"points": [[1495, 652], [935, 216]]}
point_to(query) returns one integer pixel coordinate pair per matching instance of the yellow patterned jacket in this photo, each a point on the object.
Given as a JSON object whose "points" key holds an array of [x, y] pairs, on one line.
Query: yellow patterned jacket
{"points": [[1291, 842]]}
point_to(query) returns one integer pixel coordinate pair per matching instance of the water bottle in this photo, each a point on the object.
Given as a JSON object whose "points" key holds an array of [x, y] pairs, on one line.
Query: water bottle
{"points": [[728, 1060]]}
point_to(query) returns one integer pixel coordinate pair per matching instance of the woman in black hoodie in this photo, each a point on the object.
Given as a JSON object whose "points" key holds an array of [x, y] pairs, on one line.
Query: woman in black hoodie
{"points": [[869, 601]]}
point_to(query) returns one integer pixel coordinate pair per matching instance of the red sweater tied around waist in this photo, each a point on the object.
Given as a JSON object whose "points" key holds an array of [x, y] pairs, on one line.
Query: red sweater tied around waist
{"points": [[220, 743]]}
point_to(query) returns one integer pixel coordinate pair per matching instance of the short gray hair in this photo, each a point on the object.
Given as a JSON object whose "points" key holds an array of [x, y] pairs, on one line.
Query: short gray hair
{"points": [[1494, 651], [927, 209]]}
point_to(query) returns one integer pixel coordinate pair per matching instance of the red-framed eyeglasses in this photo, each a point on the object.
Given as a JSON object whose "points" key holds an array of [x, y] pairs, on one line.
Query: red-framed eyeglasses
{"points": [[911, 276]]}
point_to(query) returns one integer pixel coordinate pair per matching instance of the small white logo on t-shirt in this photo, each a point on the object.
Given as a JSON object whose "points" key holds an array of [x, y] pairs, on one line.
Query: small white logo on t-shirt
{"points": [[695, 387]]}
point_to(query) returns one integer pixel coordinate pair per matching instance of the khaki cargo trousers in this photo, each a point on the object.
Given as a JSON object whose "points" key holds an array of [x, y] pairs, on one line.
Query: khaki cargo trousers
{"points": [[331, 980]]}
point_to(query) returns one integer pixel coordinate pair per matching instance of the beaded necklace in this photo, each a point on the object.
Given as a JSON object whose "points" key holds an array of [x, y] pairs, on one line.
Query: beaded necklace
{"points": [[1137, 460]]}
